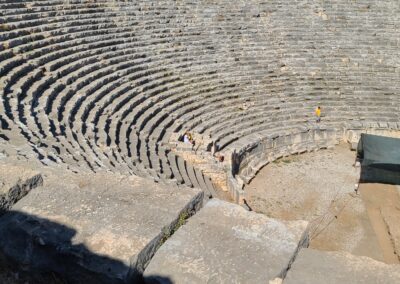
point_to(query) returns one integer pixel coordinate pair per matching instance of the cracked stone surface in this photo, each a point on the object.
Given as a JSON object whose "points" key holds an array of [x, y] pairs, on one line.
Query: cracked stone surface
{"points": [[224, 243]]}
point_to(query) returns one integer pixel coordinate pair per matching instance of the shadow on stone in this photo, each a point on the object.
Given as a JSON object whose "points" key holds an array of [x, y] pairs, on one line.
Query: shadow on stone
{"points": [[153, 279], [37, 250]]}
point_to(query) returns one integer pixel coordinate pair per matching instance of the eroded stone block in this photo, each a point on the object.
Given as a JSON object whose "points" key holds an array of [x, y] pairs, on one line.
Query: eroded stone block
{"points": [[224, 243]]}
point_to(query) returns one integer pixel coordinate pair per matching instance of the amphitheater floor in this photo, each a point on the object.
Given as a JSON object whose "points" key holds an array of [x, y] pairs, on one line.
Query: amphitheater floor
{"points": [[319, 187]]}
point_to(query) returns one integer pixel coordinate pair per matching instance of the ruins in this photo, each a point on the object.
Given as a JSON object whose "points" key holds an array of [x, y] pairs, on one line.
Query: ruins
{"points": [[96, 182]]}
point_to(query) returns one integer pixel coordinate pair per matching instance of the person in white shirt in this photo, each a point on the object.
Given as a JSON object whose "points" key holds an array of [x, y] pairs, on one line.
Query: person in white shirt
{"points": [[186, 138]]}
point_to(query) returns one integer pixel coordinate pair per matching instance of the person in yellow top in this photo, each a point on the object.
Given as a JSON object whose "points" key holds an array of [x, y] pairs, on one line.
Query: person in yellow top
{"points": [[318, 114]]}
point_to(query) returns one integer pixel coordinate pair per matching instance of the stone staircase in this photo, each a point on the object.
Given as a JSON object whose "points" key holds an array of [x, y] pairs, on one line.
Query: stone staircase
{"points": [[99, 87], [103, 85]]}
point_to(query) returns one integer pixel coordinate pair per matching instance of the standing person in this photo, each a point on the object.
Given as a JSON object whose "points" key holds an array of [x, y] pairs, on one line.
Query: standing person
{"points": [[186, 137], [318, 114]]}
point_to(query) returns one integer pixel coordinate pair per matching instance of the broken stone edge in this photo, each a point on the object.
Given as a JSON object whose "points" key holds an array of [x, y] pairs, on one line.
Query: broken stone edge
{"points": [[140, 261], [303, 243], [19, 191]]}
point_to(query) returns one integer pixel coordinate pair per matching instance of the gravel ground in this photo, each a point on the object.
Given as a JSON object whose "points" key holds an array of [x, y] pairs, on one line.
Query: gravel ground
{"points": [[317, 187]]}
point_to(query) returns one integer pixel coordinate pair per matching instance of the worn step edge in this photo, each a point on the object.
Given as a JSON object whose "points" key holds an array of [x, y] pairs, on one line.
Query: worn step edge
{"points": [[303, 243], [140, 262], [19, 191]]}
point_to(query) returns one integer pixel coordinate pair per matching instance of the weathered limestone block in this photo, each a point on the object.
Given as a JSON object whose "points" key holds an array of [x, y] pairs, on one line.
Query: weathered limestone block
{"points": [[99, 229], [15, 183], [224, 243], [312, 266], [235, 188]]}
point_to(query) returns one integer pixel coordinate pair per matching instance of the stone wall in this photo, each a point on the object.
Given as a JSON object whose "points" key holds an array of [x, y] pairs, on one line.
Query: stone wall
{"points": [[249, 160]]}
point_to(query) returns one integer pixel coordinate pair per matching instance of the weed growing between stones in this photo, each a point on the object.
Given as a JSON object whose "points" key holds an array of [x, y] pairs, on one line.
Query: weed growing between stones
{"points": [[168, 233]]}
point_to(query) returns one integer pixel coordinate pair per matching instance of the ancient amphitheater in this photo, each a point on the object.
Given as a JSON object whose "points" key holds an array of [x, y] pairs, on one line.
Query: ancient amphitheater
{"points": [[96, 185]]}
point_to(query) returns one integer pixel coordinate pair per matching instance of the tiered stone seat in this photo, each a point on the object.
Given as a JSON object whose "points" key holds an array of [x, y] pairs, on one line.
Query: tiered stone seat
{"points": [[64, 225], [104, 84]]}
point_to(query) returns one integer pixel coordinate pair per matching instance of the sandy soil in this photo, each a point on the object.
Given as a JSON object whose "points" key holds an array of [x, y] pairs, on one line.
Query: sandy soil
{"points": [[318, 187], [383, 206]]}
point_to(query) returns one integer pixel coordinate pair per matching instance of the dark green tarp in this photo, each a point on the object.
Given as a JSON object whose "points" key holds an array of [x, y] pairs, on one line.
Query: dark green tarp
{"points": [[380, 159]]}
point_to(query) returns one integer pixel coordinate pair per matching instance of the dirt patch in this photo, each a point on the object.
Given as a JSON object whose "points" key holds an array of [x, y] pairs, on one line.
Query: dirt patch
{"points": [[318, 187], [383, 206]]}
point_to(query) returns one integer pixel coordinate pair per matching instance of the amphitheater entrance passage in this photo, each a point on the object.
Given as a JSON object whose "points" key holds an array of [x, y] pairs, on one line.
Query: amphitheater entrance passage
{"points": [[320, 187]]}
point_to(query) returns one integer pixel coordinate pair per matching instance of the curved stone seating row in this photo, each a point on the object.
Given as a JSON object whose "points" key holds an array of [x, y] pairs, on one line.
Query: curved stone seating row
{"points": [[143, 119], [254, 151], [104, 85]]}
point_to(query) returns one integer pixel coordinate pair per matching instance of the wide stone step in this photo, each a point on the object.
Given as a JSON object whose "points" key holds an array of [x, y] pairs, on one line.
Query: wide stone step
{"points": [[313, 266], [93, 229], [224, 243]]}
